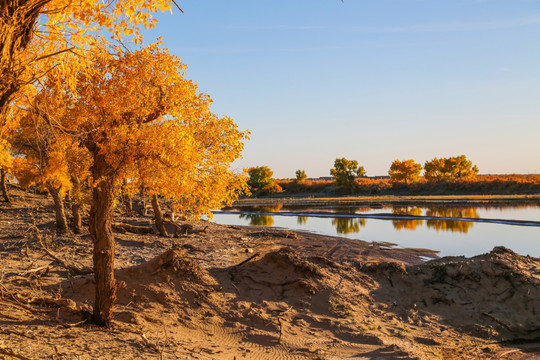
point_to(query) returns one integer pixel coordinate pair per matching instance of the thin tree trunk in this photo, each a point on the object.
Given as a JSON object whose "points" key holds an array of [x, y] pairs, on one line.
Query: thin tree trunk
{"points": [[3, 185], [143, 201], [100, 221], [77, 222], [61, 220], [158, 216], [76, 205], [128, 204]]}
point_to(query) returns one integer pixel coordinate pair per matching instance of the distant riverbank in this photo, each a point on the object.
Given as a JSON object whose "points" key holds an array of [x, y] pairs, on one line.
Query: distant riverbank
{"points": [[482, 185], [374, 201]]}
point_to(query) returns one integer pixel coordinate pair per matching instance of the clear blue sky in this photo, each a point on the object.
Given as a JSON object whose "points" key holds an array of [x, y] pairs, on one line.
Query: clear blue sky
{"points": [[371, 80]]}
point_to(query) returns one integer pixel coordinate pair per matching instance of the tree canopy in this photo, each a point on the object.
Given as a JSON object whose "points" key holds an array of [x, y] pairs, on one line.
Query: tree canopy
{"points": [[300, 176], [457, 167], [32, 31], [346, 171], [137, 120], [261, 181], [406, 171]]}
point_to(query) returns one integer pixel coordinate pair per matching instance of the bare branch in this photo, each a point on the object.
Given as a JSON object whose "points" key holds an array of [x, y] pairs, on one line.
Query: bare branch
{"points": [[53, 54], [182, 11]]}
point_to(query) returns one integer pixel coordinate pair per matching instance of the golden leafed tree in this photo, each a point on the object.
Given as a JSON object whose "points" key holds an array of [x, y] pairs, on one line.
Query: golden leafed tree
{"points": [[34, 30], [457, 167], [260, 180], [193, 169], [434, 170], [42, 159], [142, 121], [39, 35], [406, 170], [346, 171], [46, 157]]}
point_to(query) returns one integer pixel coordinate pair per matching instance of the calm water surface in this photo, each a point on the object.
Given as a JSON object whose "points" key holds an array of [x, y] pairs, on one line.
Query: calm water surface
{"points": [[449, 236]]}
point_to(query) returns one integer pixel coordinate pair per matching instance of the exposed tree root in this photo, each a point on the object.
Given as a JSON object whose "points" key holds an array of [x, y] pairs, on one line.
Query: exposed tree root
{"points": [[184, 229], [133, 228]]}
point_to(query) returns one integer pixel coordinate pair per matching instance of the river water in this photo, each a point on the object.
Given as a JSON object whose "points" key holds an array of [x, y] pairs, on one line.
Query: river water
{"points": [[450, 230]]}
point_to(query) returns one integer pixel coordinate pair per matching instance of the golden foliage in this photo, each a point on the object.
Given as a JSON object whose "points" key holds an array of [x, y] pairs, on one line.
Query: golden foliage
{"points": [[457, 167], [43, 159], [6, 160], [150, 127], [39, 35], [346, 171], [407, 171], [260, 180]]}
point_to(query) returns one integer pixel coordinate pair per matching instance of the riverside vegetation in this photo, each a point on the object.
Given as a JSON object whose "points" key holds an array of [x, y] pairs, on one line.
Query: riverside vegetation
{"points": [[445, 176], [514, 184]]}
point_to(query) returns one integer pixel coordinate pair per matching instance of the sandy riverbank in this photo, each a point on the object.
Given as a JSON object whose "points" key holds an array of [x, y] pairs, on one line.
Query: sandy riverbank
{"points": [[253, 293]]}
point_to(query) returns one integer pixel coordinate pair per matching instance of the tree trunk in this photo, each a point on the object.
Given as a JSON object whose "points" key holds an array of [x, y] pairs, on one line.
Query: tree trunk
{"points": [[143, 201], [76, 205], [18, 24], [5, 192], [158, 216], [61, 220], [77, 222], [128, 204], [102, 236]]}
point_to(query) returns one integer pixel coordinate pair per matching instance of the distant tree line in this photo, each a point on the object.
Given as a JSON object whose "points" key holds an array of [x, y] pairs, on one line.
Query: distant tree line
{"points": [[457, 167], [346, 172]]}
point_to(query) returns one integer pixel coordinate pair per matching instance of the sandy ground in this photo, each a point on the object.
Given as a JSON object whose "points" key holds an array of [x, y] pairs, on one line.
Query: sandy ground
{"points": [[256, 293]]}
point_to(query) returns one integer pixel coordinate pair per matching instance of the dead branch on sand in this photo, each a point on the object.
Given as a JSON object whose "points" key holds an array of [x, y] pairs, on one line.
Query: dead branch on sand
{"points": [[133, 228], [37, 272], [281, 233], [505, 325], [185, 229], [246, 261], [75, 268], [149, 344], [16, 299], [9, 352], [9, 297]]}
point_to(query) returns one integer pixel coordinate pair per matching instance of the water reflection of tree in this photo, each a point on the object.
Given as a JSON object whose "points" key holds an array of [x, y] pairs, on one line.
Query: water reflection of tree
{"points": [[452, 225], [258, 220], [409, 224], [262, 208], [459, 212], [301, 220], [348, 225], [344, 209], [407, 210]]}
